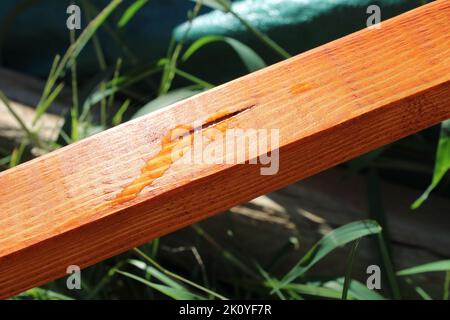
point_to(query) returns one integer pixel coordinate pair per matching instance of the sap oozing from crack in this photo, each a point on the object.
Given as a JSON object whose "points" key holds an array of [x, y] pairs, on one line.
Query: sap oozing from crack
{"points": [[173, 145]]}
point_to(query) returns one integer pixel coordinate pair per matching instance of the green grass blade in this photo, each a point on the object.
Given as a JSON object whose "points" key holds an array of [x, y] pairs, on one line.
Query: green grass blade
{"points": [[156, 273], [44, 294], [74, 49], [167, 99], [117, 119], [419, 290], [19, 120], [126, 80], [316, 290], [75, 101], [269, 281], [222, 5], [107, 278], [193, 79], [225, 6], [389, 267], [95, 39], [174, 51], [264, 38], [5, 160], [177, 294], [328, 243], [376, 212], [226, 254], [46, 90], [178, 277], [437, 266], [114, 81], [249, 57], [17, 154], [86, 35], [442, 163], [169, 70], [348, 272], [356, 290], [33, 138], [130, 12], [446, 294], [43, 107], [103, 111]]}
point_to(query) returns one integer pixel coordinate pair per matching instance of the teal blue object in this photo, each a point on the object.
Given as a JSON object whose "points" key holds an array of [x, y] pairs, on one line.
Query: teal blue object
{"points": [[296, 25], [268, 15]]}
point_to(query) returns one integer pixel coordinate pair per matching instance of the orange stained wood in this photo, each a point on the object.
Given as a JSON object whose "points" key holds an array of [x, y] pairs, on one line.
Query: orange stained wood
{"points": [[371, 88], [299, 88]]}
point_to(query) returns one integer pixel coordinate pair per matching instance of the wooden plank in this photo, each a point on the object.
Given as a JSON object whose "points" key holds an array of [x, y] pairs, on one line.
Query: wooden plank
{"points": [[84, 203]]}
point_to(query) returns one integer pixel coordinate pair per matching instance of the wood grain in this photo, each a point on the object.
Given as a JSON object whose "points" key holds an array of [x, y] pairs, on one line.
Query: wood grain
{"points": [[330, 104]]}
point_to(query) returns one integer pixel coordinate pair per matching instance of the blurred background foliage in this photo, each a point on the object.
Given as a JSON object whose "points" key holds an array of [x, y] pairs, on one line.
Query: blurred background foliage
{"points": [[140, 55]]}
